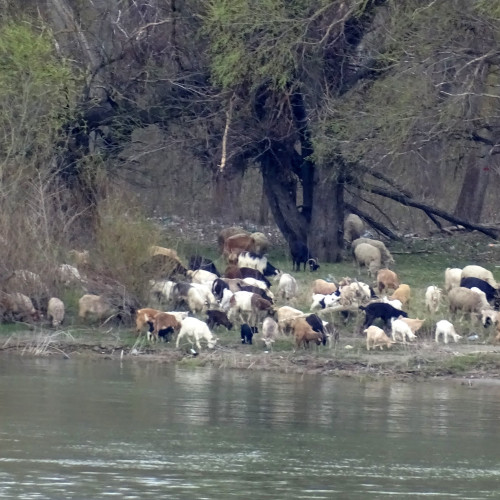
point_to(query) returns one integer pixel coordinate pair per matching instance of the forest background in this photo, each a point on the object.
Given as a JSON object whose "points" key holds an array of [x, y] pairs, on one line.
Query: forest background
{"points": [[294, 112]]}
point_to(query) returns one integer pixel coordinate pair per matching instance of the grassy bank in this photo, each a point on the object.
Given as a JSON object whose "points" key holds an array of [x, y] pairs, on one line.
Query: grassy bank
{"points": [[419, 263]]}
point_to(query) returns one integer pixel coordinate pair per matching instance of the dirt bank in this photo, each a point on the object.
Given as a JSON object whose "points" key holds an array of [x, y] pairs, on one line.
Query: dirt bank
{"points": [[468, 360]]}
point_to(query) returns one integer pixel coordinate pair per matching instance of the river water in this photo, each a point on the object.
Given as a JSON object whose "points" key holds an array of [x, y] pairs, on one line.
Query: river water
{"points": [[87, 429]]}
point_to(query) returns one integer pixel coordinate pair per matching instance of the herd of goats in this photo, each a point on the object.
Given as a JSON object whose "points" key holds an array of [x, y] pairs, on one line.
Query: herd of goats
{"points": [[199, 298]]}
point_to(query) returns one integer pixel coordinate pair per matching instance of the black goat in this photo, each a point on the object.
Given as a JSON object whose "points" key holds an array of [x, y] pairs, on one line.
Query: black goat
{"points": [[317, 325], [381, 310], [302, 255], [247, 333]]}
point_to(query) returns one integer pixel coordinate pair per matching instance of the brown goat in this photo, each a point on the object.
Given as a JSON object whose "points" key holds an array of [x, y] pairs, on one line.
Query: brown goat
{"points": [[163, 321], [387, 279], [303, 333], [145, 316]]}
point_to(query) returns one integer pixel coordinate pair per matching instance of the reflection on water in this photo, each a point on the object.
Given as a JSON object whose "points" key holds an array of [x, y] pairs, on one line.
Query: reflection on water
{"points": [[87, 429]]}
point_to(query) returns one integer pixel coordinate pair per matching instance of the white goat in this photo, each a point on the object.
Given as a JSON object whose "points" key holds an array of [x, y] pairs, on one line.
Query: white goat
{"points": [[433, 296], [196, 330], [445, 328]]}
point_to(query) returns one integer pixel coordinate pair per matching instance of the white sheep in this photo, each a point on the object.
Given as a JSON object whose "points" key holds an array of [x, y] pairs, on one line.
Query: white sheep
{"points": [[68, 274], [353, 227], [445, 328], [480, 273], [270, 332], [452, 277], [401, 329], [368, 256], [433, 298], [386, 257], [196, 330], [255, 282], [287, 287], [466, 300], [55, 311], [95, 306]]}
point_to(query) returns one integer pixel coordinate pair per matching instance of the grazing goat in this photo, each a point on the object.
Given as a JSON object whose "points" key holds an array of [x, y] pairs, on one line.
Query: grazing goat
{"points": [[304, 333], [287, 287], [376, 337], [445, 328], [196, 330], [433, 296], [55, 311], [402, 293], [387, 279], [317, 325], [163, 324], [400, 329], [380, 310], [218, 318], [270, 331], [247, 332], [285, 316], [414, 323], [145, 316], [302, 255], [323, 287]]}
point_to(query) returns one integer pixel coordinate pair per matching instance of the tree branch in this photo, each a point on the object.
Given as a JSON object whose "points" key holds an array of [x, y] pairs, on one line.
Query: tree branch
{"points": [[379, 227], [428, 209]]}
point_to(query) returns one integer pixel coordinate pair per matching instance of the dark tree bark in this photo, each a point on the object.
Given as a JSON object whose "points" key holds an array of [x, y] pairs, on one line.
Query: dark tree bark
{"points": [[281, 191], [325, 231]]}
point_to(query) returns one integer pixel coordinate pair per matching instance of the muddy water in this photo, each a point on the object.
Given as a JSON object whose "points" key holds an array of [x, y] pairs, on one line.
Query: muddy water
{"points": [[103, 429]]}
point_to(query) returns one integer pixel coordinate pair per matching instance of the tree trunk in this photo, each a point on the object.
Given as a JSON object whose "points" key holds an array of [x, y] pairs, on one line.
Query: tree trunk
{"points": [[327, 218], [480, 161], [472, 195], [263, 209], [281, 191]]}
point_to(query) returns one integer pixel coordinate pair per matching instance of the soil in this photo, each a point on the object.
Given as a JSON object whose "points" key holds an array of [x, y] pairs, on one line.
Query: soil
{"points": [[462, 361]]}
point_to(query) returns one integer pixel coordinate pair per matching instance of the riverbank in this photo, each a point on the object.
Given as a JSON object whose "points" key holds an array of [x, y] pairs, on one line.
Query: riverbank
{"points": [[464, 361]]}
